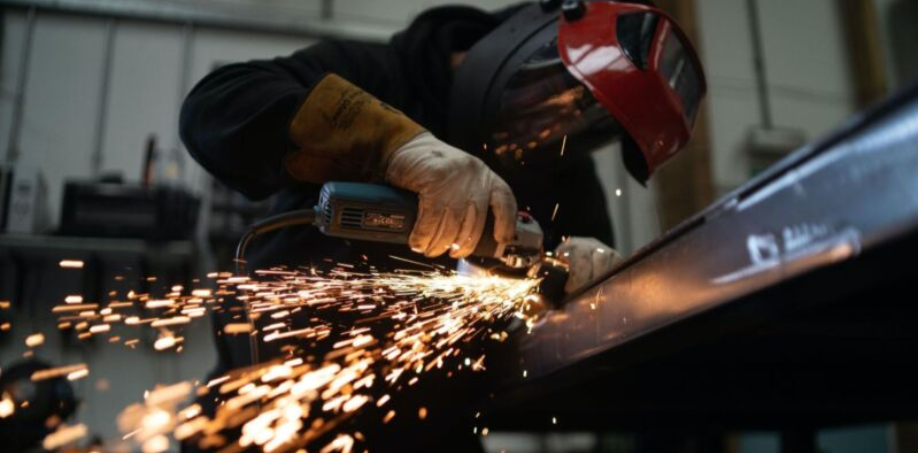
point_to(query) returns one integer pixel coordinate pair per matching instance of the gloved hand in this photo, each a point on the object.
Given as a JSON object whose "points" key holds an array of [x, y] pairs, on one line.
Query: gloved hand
{"points": [[588, 258], [455, 191]]}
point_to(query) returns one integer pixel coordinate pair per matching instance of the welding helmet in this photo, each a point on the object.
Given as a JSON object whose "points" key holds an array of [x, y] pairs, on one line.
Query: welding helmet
{"points": [[561, 78]]}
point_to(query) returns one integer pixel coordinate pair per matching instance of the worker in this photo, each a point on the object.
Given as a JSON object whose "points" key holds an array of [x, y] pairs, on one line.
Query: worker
{"points": [[476, 112]]}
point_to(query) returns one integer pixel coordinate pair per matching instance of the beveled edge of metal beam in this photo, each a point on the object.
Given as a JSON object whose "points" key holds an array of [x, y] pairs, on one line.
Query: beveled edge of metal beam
{"points": [[294, 22], [852, 190]]}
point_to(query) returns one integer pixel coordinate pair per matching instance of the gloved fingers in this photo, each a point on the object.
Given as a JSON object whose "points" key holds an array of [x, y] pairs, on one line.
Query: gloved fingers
{"points": [[615, 258], [425, 227], [588, 259], [604, 257], [563, 250], [503, 203], [602, 262], [580, 263], [470, 233], [447, 233]]}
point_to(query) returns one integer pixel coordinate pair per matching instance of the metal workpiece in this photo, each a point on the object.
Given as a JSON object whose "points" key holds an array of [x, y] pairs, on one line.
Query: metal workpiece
{"points": [[828, 204]]}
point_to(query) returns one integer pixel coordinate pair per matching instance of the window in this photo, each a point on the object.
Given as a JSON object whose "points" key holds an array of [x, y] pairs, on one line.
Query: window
{"points": [[683, 76], [635, 35]]}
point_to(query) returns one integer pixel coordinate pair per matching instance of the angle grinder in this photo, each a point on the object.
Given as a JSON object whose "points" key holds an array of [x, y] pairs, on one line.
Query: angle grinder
{"points": [[380, 213]]}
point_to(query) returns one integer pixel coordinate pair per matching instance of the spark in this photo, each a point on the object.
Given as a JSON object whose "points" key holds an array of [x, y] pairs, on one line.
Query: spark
{"points": [[71, 264], [101, 328], [170, 394], [78, 374], [35, 340], [389, 416], [155, 444], [618, 192], [64, 435], [342, 444], [218, 381], [384, 333], [7, 406], [171, 321], [166, 342], [52, 373], [74, 307], [236, 328]]}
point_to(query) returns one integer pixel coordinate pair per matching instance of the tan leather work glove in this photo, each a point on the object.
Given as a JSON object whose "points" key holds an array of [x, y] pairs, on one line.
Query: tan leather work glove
{"points": [[342, 133]]}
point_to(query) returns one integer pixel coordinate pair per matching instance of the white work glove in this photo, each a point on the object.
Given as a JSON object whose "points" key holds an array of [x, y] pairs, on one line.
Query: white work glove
{"points": [[588, 259], [455, 190]]}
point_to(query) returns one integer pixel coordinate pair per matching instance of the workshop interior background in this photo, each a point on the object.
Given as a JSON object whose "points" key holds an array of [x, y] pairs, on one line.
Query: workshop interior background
{"points": [[91, 89]]}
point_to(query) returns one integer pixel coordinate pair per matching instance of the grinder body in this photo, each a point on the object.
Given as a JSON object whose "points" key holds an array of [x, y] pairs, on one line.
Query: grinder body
{"points": [[373, 212]]}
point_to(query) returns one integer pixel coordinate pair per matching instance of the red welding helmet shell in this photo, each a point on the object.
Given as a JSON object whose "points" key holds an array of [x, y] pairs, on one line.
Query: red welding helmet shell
{"points": [[641, 67]]}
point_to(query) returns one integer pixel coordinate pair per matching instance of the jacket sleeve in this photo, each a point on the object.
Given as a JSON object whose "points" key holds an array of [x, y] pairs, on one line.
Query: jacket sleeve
{"points": [[236, 122]]}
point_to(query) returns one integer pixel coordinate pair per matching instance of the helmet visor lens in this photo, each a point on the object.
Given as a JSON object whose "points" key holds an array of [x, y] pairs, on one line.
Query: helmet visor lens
{"points": [[544, 112], [683, 76]]}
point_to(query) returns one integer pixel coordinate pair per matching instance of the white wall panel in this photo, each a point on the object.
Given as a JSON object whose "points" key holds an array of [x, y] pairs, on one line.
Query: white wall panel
{"points": [[814, 117], [732, 112], [804, 45], [143, 94], [725, 40], [62, 100], [14, 28], [726, 45]]}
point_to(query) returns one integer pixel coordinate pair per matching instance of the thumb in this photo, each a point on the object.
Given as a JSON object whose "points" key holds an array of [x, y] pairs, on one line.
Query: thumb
{"points": [[503, 203]]}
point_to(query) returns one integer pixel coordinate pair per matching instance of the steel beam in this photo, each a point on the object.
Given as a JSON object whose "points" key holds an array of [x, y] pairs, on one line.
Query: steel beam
{"points": [[783, 292]]}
